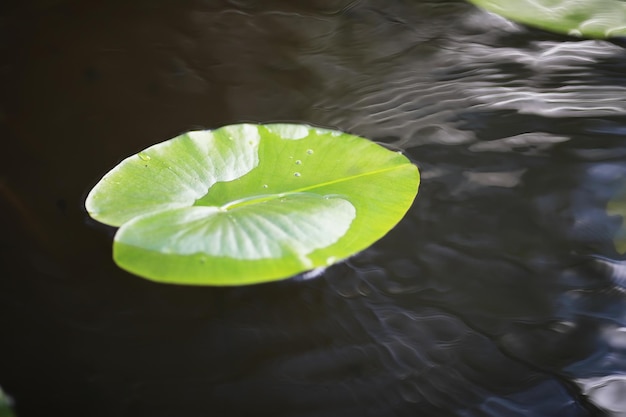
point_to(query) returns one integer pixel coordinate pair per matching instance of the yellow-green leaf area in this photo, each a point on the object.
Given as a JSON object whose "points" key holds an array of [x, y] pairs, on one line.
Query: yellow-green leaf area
{"points": [[617, 207], [279, 199], [174, 173], [589, 18]]}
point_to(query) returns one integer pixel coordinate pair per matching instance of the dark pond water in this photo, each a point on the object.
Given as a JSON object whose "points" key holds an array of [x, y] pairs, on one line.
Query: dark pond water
{"points": [[500, 294]]}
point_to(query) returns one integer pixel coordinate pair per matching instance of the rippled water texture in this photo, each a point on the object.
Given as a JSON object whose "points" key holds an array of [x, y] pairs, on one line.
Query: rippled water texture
{"points": [[500, 294]]}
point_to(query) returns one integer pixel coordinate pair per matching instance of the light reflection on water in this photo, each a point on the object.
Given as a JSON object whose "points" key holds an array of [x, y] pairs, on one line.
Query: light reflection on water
{"points": [[500, 293]]}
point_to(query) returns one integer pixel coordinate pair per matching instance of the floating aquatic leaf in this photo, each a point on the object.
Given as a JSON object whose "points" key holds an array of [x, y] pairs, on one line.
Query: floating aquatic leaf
{"points": [[251, 203], [617, 207], [589, 18], [5, 405]]}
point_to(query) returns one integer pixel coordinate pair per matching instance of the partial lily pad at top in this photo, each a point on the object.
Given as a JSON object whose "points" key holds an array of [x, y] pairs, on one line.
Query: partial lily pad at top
{"points": [[251, 203], [590, 18]]}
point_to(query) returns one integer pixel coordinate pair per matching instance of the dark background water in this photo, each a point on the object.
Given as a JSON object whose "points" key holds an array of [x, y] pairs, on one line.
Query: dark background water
{"points": [[499, 294]]}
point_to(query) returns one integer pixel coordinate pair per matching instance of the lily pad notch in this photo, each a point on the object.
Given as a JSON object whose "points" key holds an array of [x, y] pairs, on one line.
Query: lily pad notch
{"points": [[251, 203]]}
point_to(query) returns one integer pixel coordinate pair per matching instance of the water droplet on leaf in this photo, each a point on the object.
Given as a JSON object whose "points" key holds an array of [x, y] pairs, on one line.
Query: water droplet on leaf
{"points": [[296, 174], [143, 156], [298, 162], [309, 151]]}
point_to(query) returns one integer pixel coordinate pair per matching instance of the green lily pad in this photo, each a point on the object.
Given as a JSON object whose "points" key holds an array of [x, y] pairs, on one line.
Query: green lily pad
{"points": [[251, 203], [5, 405], [589, 18], [617, 207]]}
